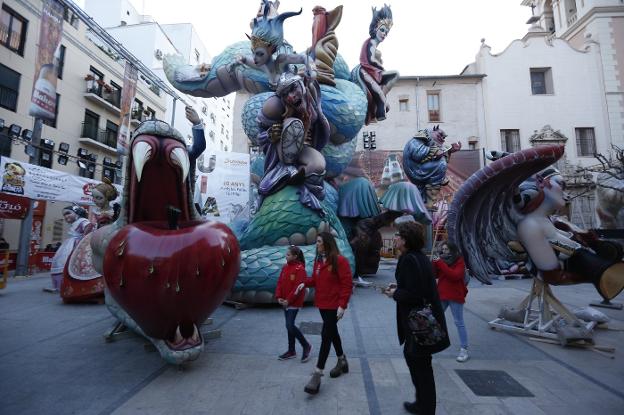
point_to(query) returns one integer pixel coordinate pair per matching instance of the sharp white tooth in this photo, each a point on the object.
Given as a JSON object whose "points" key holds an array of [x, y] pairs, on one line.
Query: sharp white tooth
{"points": [[141, 152], [180, 157], [195, 336], [178, 336]]}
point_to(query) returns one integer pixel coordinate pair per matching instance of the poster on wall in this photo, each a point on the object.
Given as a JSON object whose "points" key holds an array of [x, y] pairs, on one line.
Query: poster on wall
{"points": [[223, 193], [40, 183], [127, 97], [43, 101]]}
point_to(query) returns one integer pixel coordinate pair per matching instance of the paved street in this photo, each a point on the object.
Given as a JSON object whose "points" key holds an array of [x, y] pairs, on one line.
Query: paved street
{"points": [[53, 360]]}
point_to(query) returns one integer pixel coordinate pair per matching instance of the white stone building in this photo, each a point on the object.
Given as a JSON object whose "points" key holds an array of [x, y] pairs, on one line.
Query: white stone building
{"points": [[149, 42], [88, 115]]}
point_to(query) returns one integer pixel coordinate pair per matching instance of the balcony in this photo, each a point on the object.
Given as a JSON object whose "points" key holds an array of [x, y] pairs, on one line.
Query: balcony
{"points": [[572, 18], [102, 139], [103, 95]]}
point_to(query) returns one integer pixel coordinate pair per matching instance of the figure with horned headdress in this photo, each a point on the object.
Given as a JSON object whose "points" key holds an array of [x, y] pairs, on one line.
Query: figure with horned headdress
{"points": [[267, 36], [234, 70], [370, 73], [425, 159]]}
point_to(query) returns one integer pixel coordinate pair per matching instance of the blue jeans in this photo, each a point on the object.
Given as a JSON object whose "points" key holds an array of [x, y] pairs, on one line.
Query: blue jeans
{"points": [[457, 310], [293, 331]]}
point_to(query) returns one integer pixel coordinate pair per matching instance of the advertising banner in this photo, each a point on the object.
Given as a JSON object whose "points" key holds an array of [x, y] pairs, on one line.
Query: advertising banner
{"points": [[40, 183], [128, 91], [13, 207], [223, 194], [43, 101]]}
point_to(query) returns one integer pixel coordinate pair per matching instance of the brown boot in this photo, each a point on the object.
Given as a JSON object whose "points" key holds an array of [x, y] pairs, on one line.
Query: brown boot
{"points": [[341, 367], [314, 384]]}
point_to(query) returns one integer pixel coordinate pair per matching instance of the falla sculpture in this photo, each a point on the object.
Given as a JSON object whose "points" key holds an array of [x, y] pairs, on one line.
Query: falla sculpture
{"points": [[507, 207], [166, 270], [304, 112]]}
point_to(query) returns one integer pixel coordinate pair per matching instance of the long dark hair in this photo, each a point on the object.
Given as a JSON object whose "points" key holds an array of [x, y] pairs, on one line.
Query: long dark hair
{"points": [[331, 250], [297, 252]]}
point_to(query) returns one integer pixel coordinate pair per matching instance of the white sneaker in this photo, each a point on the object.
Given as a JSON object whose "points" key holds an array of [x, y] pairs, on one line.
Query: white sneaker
{"points": [[463, 355]]}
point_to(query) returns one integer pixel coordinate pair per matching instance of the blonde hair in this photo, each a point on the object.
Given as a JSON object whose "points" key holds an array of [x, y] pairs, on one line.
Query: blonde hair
{"points": [[107, 189]]}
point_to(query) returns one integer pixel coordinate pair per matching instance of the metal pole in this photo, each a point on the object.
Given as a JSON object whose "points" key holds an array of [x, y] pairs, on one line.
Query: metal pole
{"points": [[173, 112], [23, 250]]}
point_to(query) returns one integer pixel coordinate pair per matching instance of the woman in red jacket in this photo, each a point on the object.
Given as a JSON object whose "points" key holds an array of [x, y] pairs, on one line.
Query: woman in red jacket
{"points": [[333, 284], [291, 299], [450, 271]]}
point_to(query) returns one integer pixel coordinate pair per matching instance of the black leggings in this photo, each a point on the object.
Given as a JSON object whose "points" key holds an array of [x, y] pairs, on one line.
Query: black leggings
{"points": [[329, 335]]}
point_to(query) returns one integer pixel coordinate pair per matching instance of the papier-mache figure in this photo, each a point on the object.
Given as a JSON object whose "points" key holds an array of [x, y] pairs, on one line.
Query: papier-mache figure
{"points": [[562, 257], [81, 282], [293, 132], [425, 159], [79, 227], [166, 270], [370, 73], [267, 36]]}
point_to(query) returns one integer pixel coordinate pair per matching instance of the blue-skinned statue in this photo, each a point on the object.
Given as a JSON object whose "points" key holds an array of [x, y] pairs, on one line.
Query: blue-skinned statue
{"points": [[425, 159], [304, 114]]}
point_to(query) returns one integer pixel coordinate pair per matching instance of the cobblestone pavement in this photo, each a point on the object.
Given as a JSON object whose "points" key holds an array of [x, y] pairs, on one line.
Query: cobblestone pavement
{"points": [[53, 360]]}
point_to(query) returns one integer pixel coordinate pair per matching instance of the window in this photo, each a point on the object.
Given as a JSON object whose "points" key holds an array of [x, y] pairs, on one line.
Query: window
{"points": [[433, 105], [95, 86], [115, 95], [150, 114], [61, 62], [110, 137], [52, 123], [510, 140], [403, 104], [196, 55], [541, 81], [137, 110], [70, 17], [90, 125], [585, 142], [12, 30], [9, 88], [5, 143]]}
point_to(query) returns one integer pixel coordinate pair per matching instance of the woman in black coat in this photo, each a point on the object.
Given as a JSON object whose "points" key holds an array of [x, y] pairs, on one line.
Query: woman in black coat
{"points": [[415, 287]]}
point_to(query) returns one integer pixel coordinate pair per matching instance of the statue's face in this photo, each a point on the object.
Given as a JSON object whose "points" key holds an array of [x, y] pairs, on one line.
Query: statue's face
{"points": [[381, 32], [69, 216], [98, 198], [554, 191], [294, 97], [261, 55], [439, 136]]}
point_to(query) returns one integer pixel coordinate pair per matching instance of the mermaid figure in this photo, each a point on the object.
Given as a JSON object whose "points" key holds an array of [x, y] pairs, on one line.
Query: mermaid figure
{"points": [[370, 73]]}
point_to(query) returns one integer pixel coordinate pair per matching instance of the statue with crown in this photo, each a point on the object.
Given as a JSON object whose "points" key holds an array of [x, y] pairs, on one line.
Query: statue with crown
{"points": [[304, 113]]}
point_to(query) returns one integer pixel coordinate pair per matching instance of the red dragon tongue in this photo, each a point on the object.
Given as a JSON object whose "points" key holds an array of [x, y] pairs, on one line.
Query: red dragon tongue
{"points": [[167, 279]]}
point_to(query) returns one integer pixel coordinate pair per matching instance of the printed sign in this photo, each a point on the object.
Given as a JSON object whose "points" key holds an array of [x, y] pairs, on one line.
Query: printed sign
{"points": [[223, 194], [43, 101], [40, 183]]}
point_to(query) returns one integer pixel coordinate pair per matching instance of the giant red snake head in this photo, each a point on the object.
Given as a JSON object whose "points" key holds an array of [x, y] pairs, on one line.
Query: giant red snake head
{"points": [[165, 267]]}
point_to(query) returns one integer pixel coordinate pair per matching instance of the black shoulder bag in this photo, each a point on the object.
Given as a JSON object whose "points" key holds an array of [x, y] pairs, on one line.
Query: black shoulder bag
{"points": [[425, 329]]}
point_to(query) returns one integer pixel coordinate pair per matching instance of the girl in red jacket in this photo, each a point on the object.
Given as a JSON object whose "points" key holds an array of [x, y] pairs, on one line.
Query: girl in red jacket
{"points": [[333, 284], [291, 298], [450, 271]]}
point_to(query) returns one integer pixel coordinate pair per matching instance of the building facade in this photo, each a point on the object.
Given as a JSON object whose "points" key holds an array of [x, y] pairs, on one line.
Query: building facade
{"points": [[89, 90], [149, 41]]}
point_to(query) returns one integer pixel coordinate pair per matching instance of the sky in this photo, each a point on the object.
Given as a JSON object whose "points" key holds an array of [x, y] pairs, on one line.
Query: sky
{"points": [[432, 37]]}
